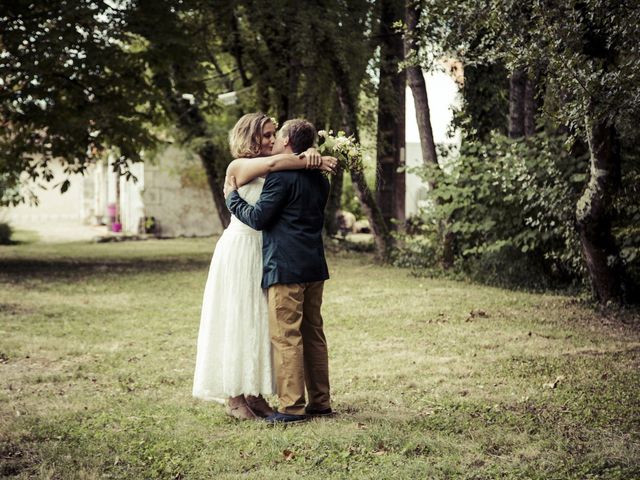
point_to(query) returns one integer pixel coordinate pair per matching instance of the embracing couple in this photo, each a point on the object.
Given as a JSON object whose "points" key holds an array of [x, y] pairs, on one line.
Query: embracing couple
{"points": [[261, 317]]}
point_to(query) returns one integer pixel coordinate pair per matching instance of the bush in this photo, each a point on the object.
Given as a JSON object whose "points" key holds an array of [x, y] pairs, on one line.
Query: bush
{"points": [[511, 208], [626, 225], [510, 205], [417, 245], [508, 268], [5, 234]]}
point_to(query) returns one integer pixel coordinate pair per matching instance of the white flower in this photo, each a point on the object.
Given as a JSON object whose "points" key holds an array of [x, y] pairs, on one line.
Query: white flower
{"points": [[343, 147], [342, 142]]}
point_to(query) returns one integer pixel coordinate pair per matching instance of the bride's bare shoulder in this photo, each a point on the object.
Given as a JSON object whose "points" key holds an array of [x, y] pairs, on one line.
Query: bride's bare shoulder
{"points": [[233, 167]]}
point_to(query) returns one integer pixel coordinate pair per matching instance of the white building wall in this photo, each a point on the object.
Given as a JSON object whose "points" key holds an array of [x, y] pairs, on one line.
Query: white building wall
{"points": [[132, 208], [58, 216], [53, 206], [100, 192], [178, 207]]}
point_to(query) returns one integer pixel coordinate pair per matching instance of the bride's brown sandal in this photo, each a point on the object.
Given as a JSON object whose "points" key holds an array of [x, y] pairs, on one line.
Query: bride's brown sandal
{"points": [[237, 408], [259, 406]]}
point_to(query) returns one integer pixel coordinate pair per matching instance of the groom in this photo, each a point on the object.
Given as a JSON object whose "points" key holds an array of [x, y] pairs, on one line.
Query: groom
{"points": [[290, 213]]}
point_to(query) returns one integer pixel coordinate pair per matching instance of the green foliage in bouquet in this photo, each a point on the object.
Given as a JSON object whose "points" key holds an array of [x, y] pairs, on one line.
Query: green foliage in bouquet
{"points": [[343, 147]]}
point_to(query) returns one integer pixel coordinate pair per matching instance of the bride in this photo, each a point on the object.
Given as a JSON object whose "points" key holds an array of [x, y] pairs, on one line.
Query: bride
{"points": [[233, 360]]}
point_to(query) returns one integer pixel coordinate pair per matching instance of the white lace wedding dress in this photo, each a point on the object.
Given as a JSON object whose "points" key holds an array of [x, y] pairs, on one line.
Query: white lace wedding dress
{"points": [[234, 350]]}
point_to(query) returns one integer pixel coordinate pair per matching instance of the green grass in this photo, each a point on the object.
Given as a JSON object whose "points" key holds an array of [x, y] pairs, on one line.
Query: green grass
{"points": [[431, 378]]}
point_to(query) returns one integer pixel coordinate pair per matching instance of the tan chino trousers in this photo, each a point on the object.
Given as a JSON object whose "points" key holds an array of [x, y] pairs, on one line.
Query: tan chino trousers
{"points": [[299, 346]]}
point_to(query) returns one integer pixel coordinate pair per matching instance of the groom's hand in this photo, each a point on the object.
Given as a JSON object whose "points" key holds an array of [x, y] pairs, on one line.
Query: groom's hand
{"points": [[229, 185]]}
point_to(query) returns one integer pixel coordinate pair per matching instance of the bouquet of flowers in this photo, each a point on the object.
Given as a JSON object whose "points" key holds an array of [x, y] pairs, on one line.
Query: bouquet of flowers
{"points": [[345, 149]]}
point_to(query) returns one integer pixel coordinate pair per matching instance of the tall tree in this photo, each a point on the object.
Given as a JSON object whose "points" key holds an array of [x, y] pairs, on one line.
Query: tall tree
{"points": [[417, 83], [522, 102], [84, 77], [179, 68], [530, 103], [348, 108], [69, 90], [517, 88], [590, 50], [413, 13], [345, 43], [390, 142]]}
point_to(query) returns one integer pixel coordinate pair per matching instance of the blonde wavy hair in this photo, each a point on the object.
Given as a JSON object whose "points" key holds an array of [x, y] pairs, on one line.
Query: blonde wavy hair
{"points": [[245, 138]]}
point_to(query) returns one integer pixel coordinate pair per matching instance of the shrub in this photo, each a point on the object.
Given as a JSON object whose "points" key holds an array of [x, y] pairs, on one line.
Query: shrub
{"points": [[626, 225], [511, 208], [510, 205]]}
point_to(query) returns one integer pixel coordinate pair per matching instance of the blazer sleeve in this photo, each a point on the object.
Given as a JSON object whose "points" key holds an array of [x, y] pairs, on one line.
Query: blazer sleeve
{"points": [[267, 209]]}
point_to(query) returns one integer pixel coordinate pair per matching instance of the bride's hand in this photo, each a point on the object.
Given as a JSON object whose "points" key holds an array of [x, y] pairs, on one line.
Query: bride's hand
{"points": [[329, 164], [229, 185], [313, 157]]}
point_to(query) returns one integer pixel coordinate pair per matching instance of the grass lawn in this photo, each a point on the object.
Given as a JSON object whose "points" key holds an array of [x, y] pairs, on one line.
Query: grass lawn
{"points": [[431, 378]]}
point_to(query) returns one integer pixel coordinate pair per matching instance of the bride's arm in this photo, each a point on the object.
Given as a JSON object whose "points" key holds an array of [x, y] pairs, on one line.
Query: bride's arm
{"points": [[246, 169]]}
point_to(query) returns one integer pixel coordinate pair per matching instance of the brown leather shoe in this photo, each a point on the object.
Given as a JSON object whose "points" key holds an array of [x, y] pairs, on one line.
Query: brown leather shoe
{"points": [[259, 406], [237, 408]]}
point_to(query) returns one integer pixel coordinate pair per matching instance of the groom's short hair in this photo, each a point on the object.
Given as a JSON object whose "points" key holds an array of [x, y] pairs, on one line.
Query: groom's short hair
{"points": [[301, 133]]}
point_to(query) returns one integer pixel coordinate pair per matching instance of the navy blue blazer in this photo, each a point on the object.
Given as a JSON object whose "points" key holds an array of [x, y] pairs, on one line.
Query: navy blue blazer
{"points": [[290, 213]]}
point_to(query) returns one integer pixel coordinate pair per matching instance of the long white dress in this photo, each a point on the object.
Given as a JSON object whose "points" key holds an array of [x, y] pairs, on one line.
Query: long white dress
{"points": [[234, 349]]}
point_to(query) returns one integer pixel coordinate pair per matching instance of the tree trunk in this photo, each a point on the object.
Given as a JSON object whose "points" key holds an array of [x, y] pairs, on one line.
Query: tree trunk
{"points": [[390, 141], [236, 49], [517, 86], [530, 107], [348, 123], [208, 154], [594, 215], [382, 238], [333, 204], [418, 87]]}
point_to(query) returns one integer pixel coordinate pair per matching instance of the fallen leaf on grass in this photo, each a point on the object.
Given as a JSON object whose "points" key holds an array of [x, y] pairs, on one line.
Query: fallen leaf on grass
{"points": [[477, 314], [381, 450], [555, 383], [361, 426], [288, 455], [348, 452]]}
